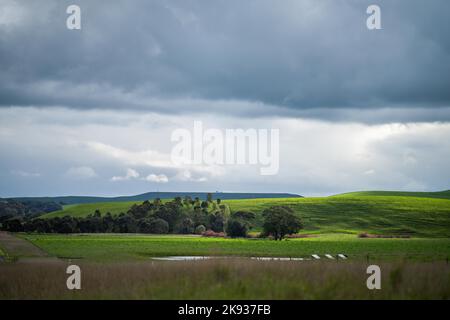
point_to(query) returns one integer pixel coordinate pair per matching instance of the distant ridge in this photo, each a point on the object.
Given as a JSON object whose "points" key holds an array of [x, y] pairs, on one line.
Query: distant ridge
{"points": [[161, 195]]}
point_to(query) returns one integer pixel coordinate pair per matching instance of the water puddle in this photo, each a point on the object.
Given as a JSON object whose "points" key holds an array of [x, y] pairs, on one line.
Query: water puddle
{"points": [[194, 258], [184, 258]]}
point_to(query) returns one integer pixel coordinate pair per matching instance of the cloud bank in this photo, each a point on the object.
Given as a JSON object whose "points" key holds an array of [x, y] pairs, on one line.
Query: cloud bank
{"points": [[316, 157], [92, 111], [258, 57]]}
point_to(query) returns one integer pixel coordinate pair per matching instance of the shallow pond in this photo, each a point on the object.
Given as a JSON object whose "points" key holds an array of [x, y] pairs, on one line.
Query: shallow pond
{"points": [[193, 258]]}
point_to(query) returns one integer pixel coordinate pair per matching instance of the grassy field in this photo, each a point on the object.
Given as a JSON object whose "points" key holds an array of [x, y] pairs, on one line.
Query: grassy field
{"points": [[424, 217], [116, 247], [119, 266], [439, 194], [332, 223], [220, 279], [383, 214], [82, 210]]}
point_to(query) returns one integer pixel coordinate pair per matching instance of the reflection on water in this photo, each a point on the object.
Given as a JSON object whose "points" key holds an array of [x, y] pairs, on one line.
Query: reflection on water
{"points": [[182, 258], [191, 258]]}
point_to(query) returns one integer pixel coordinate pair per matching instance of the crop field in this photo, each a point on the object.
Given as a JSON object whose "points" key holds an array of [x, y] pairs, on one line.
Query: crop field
{"points": [[116, 247], [418, 216]]}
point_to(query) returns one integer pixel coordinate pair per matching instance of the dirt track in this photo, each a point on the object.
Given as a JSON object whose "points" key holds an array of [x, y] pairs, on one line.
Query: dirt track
{"points": [[16, 247]]}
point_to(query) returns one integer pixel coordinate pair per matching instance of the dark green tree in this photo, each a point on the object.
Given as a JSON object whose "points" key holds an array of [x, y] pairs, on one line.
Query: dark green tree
{"points": [[217, 221], [13, 225], [204, 205], [280, 221], [186, 226], [159, 226], [244, 215], [200, 217], [171, 212], [237, 228]]}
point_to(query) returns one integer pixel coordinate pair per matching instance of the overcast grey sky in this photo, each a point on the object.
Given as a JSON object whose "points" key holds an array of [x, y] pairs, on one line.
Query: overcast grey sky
{"points": [[91, 111]]}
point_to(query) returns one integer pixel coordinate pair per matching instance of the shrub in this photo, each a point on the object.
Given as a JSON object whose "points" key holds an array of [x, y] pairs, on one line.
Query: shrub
{"points": [[211, 233], [200, 229], [363, 235]]}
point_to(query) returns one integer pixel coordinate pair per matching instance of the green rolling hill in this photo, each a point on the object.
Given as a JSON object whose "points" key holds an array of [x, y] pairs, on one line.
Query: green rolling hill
{"points": [[390, 213], [84, 209], [439, 194]]}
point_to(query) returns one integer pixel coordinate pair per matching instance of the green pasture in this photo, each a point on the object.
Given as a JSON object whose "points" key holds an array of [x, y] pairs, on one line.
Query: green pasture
{"points": [[439, 194], [119, 247], [381, 214]]}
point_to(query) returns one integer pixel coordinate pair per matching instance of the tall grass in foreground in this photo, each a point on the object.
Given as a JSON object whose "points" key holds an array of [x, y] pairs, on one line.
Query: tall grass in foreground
{"points": [[225, 279]]}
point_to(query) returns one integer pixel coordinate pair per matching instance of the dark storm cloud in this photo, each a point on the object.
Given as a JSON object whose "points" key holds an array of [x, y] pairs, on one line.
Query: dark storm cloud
{"points": [[307, 58]]}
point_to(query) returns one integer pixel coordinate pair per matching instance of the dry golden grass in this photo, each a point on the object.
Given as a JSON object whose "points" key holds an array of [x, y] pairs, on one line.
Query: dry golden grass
{"points": [[224, 279]]}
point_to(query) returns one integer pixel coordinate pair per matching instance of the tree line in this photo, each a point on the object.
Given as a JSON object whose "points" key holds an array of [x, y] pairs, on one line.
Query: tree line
{"points": [[10, 207], [179, 216]]}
